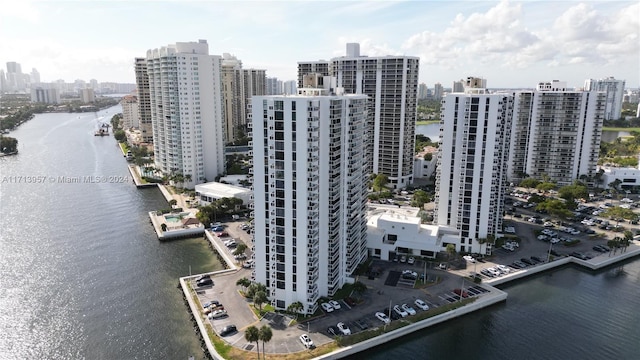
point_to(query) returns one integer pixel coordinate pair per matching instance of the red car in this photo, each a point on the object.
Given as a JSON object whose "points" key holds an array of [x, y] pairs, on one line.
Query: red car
{"points": [[222, 234], [461, 292]]}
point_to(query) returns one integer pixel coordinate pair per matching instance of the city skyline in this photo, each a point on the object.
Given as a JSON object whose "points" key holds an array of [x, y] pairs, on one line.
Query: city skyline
{"points": [[512, 44]]}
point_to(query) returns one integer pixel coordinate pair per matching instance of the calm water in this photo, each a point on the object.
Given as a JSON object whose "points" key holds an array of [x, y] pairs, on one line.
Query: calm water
{"points": [[82, 275], [565, 314], [432, 131]]}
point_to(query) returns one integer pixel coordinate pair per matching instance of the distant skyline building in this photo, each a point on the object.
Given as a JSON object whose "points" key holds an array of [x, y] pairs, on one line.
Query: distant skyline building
{"points": [[458, 86], [311, 67], [130, 112], [274, 86], [472, 164], [423, 91], [15, 77], [438, 91], [45, 95], [144, 100], [86, 95], [34, 77], [310, 191], [391, 82], [3, 81], [614, 90], [186, 111], [556, 133], [290, 87]]}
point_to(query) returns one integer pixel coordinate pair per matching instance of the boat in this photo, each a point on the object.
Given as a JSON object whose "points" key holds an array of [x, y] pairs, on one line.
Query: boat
{"points": [[129, 155], [102, 132]]}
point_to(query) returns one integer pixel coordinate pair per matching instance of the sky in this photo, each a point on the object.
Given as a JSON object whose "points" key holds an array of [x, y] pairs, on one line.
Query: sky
{"points": [[512, 44]]}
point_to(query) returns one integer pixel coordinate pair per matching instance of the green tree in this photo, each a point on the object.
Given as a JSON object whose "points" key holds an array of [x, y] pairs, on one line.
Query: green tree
{"points": [[8, 144], [451, 250], [573, 192], [265, 335], [529, 183], [240, 249], [295, 307], [254, 288], [556, 208], [163, 226], [244, 282], [359, 287], [618, 213], [173, 202], [420, 197], [252, 334], [120, 135], [259, 298], [380, 182], [545, 186]]}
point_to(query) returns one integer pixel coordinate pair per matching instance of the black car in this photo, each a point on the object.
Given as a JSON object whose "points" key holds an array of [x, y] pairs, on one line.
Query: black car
{"points": [[333, 330], [202, 277], [535, 258], [579, 255], [204, 282], [527, 261], [555, 253], [228, 330], [599, 248]]}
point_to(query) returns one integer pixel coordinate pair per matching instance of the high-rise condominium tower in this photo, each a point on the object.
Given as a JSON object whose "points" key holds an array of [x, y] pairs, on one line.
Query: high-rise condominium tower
{"points": [[310, 190], [472, 164], [144, 100], [186, 111], [614, 94], [556, 133], [391, 82]]}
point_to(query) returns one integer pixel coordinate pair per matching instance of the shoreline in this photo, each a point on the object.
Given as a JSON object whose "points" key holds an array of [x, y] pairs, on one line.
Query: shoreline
{"points": [[494, 297]]}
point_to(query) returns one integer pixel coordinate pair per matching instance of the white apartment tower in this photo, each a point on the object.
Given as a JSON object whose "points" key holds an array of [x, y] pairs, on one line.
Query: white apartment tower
{"points": [[274, 86], [614, 90], [144, 100], [391, 82], [186, 111], [310, 191], [472, 164], [556, 133], [130, 112]]}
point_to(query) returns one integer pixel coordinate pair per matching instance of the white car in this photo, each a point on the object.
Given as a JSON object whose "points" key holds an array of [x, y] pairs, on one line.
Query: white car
{"points": [[421, 304], [306, 341], [411, 260], [408, 309], [400, 311], [344, 329], [469, 258], [403, 259], [327, 307], [334, 304], [382, 317], [503, 269], [493, 271], [248, 264], [218, 314]]}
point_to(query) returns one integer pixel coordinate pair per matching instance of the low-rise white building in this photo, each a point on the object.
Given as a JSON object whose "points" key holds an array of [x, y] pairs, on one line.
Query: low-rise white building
{"points": [[208, 192], [423, 168], [392, 231], [629, 177]]}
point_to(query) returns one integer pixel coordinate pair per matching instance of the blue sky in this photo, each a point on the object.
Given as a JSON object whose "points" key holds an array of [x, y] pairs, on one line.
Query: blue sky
{"points": [[510, 43]]}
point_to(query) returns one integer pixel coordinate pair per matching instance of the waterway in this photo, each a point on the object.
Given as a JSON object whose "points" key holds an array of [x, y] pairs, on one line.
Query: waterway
{"points": [[569, 313], [82, 275]]}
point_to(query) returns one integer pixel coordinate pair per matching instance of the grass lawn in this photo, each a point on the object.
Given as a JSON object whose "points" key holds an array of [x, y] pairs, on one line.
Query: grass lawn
{"points": [[124, 148], [629, 129], [429, 122]]}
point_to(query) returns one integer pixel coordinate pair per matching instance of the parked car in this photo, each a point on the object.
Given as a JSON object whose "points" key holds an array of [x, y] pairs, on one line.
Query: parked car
{"points": [[230, 243], [537, 259], [204, 282], [306, 341], [334, 304], [469, 258], [403, 259], [210, 303], [520, 264], [228, 330], [421, 304], [248, 264], [382, 317], [503, 269], [217, 314], [201, 277], [333, 330], [222, 234], [461, 292], [350, 301], [327, 307], [400, 311], [217, 229], [240, 256], [527, 261], [411, 260], [408, 274], [344, 329], [408, 309]]}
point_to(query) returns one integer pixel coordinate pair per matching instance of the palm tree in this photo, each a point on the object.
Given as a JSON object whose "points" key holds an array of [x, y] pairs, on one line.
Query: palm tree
{"points": [[481, 241], [451, 250], [240, 249], [295, 307], [259, 298], [359, 287], [265, 335], [253, 334], [244, 282]]}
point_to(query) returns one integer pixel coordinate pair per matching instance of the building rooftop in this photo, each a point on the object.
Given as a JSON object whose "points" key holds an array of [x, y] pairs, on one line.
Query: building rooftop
{"points": [[220, 190]]}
